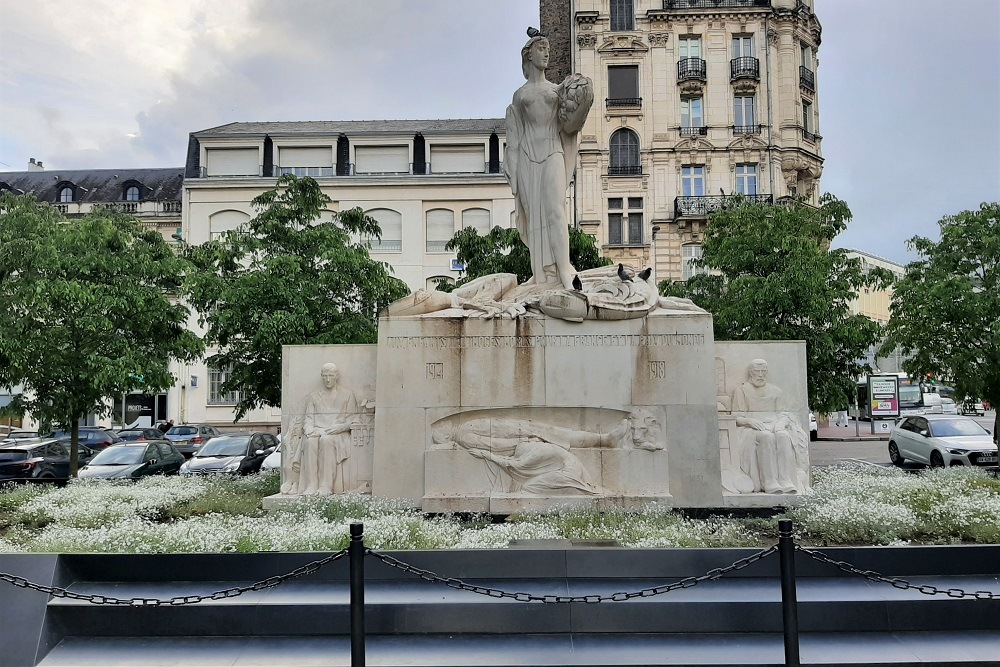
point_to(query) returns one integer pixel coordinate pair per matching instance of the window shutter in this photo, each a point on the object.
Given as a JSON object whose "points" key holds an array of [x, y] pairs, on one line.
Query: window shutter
{"points": [[469, 159], [440, 228], [478, 219], [305, 157], [233, 162], [382, 160], [391, 223]]}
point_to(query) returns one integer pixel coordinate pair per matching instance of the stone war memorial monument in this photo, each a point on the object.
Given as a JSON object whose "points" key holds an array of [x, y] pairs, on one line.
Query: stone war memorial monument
{"points": [[570, 388]]}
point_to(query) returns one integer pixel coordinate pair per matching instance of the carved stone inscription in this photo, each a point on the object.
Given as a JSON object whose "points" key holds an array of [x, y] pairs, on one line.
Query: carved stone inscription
{"points": [[594, 340]]}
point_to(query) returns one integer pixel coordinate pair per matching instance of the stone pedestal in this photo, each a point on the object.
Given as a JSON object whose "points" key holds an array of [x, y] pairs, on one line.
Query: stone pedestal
{"points": [[503, 416]]}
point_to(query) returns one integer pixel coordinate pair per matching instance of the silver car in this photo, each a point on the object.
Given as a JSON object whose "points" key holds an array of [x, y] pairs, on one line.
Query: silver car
{"points": [[941, 440]]}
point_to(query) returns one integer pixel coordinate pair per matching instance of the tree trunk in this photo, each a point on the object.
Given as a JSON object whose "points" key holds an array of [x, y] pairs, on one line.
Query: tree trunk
{"points": [[74, 447]]}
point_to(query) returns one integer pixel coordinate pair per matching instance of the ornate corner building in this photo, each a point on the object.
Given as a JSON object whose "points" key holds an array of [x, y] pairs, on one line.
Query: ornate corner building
{"points": [[695, 101]]}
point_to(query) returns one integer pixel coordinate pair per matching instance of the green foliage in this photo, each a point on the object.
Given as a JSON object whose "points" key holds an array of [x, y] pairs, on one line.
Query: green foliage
{"points": [[84, 310], [294, 275], [946, 309], [501, 251], [773, 277]]}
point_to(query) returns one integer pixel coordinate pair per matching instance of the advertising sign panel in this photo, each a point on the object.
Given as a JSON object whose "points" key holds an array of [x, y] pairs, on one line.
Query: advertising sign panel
{"points": [[883, 392]]}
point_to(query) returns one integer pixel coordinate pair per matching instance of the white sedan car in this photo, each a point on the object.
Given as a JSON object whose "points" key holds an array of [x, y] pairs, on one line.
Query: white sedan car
{"points": [[273, 460], [941, 440]]}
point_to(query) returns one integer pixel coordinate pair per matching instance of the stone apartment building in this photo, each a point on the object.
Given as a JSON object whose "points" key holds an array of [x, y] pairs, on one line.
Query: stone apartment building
{"points": [[695, 101]]}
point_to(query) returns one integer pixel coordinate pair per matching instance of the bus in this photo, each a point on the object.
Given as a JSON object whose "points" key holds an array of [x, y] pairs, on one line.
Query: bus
{"points": [[915, 398]]}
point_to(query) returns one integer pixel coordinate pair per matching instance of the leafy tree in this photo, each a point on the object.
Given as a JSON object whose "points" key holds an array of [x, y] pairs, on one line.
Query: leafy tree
{"points": [[946, 309], [85, 312], [501, 251], [773, 277], [287, 277]]}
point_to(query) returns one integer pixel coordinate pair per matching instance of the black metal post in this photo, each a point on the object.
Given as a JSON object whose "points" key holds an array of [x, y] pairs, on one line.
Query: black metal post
{"points": [[356, 554], [789, 604]]}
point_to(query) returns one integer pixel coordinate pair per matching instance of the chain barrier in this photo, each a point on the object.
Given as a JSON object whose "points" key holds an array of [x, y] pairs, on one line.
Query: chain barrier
{"points": [[233, 592], [896, 582], [686, 582]]}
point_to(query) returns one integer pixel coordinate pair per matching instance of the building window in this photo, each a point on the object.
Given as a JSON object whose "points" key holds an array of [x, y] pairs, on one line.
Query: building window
{"points": [[693, 180], [625, 225], [690, 47], [478, 219], [132, 193], [66, 194], [625, 159], [391, 224], [440, 228], [216, 378], [623, 86], [807, 116], [622, 15], [744, 115], [691, 113], [690, 253], [743, 46], [746, 179], [807, 56]]}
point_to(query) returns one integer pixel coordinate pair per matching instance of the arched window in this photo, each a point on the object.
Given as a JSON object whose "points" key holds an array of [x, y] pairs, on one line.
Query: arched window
{"points": [[223, 221], [440, 228], [131, 193], [433, 282], [391, 223], [625, 159], [66, 194], [477, 218]]}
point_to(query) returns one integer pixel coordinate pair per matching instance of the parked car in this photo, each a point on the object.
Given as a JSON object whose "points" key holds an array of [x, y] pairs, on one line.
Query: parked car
{"points": [[134, 460], [16, 435], [940, 440], [91, 436], [235, 453], [948, 406], [273, 460], [45, 458], [188, 438], [139, 434]]}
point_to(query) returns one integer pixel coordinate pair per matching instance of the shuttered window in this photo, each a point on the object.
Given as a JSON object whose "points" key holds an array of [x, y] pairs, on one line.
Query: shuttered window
{"points": [[391, 223], [317, 161], [224, 221], [478, 219], [440, 228], [232, 162], [382, 160], [469, 159]]}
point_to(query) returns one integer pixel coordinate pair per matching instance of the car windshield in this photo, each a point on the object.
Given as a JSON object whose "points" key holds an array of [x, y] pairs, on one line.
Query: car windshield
{"points": [[130, 435], [944, 428], [182, 430], [225, 446], [13, 454], [119, 456]]}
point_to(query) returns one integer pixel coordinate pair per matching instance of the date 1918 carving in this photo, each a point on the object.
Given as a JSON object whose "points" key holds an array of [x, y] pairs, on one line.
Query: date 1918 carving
{"points": [[435, 371], [657, 370]]}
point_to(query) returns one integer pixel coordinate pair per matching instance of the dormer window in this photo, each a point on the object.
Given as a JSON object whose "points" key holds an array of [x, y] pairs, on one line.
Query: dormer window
{"points": [[65, 194], [132, 193]]}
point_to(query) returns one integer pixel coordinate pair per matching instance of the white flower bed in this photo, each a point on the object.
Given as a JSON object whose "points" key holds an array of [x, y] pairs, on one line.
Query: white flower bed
{"points": [[850, 505]]}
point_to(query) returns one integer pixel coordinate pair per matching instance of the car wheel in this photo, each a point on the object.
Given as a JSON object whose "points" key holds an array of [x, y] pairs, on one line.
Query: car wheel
{"points": [[47, 475], [894, 455], [937, 461]]}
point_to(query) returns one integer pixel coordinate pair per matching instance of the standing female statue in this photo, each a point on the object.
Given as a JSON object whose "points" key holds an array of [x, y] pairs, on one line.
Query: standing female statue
{"points": [[543, 126]]}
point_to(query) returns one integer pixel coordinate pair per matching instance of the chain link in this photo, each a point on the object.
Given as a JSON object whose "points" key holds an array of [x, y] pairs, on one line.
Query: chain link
{"points": [[233, 592], [896, 582], [458, 584]]}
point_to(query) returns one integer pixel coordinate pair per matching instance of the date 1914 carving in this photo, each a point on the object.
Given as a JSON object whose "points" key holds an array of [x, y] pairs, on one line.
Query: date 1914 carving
{"points": [[435, 371]]}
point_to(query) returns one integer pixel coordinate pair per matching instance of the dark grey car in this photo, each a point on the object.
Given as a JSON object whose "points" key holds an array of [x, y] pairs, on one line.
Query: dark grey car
{"points": [[233, 453]]}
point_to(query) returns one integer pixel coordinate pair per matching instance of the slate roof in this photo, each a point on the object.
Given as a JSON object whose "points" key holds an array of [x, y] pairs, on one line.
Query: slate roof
{"points": [[355, 127], [98, 185]]}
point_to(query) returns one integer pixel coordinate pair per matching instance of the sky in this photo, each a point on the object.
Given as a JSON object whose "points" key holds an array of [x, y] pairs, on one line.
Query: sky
{"points": [[909, 90]]}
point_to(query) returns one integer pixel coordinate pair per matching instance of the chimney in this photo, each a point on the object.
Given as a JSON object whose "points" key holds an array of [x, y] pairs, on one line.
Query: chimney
{"points": [[35, 166]]}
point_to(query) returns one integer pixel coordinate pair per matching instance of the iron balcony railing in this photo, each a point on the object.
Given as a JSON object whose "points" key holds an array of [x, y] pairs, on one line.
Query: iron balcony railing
{"points": [[625, 170], [307, 171], [624, 102], [680, 5], [746, 129], [806, 78], [746, 67], [691, 68], [693, 131], [809, 136], [700, 206]]}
